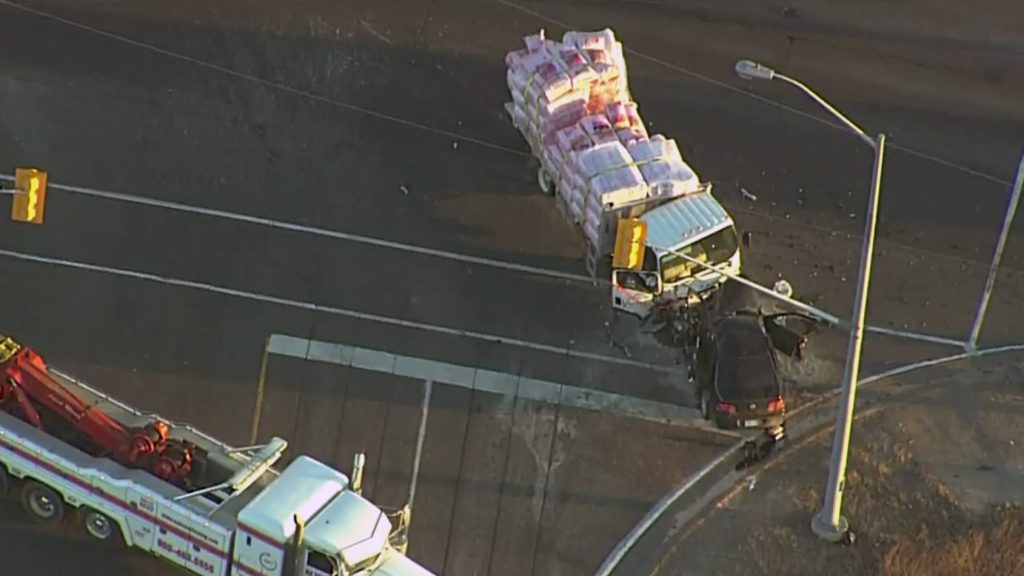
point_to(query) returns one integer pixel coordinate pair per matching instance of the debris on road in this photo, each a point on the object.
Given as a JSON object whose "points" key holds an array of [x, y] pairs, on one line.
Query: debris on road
{"points": [[746, 194]]}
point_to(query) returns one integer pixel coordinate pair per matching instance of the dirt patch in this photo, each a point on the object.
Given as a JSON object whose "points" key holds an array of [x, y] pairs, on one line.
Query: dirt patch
{"points": [[934, 486], [989, 548]]}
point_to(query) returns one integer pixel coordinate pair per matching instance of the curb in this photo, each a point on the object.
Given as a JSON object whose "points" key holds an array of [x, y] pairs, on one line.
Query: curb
{"points": [[815, 419]]}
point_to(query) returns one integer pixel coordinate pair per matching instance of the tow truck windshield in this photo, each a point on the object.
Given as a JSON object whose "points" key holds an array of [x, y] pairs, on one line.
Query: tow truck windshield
{"points": [[714, 249]]}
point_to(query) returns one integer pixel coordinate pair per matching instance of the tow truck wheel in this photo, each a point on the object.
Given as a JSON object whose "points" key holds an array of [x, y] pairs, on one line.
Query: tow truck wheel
{"points": [[42, 503], [97, 525]]}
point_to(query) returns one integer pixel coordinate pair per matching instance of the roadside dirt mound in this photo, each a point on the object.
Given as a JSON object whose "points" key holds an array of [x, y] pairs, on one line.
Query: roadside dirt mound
{"points": [[934, 486]]}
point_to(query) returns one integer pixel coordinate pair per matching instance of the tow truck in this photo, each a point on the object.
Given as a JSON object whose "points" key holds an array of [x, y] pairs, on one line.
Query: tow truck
{"points": [[143, 481]]}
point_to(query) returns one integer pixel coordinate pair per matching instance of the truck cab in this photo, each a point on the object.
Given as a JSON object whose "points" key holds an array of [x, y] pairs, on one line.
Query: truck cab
{"points": [[309, 522], [693, 227]]}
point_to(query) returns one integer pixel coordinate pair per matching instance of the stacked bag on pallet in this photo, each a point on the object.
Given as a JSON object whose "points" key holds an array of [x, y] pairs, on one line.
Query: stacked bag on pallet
{"points": [[571, 102], [664, 170], [555, 84]]}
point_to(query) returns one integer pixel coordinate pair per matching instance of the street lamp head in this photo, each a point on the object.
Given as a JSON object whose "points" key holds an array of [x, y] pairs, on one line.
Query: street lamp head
{"points": [[750, 70]]}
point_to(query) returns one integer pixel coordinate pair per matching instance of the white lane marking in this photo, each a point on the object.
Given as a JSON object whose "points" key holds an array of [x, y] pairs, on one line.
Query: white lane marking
{"points": [[812, 310], [116, 196], [258, 220], [543, 272], [483, 380], [366, 26], [860, 236], [336, 311], [262, 81], [759, 98]]}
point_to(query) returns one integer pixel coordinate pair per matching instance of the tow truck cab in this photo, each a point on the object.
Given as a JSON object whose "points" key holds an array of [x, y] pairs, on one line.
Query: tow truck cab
{"points": [[339, 532], [696, 226]]}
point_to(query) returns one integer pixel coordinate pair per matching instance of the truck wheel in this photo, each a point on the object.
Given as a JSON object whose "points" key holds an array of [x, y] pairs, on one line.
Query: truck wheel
{"points": [[544, 181], [42, 503], [97, 525]]}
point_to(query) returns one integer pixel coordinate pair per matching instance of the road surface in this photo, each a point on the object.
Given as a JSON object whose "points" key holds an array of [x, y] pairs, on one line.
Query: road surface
{"points": [[383, 120]]}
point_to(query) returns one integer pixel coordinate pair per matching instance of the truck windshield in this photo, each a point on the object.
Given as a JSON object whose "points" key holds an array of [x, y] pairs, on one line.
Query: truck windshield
{"points": [[714, 249]]}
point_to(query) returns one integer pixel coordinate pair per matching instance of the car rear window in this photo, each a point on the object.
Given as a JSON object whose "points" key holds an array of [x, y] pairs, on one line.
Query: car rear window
{"points": [[745, 367]]}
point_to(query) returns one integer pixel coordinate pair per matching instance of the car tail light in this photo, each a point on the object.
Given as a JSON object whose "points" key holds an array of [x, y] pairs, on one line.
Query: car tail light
{"points": [[725, 407], [777, 405]]}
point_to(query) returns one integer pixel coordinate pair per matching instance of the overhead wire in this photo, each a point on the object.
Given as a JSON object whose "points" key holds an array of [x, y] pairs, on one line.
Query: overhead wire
{"points": [[263, 81]]}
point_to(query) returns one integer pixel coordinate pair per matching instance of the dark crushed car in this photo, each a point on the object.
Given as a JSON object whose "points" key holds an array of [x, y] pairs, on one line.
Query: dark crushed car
{"points": [[731, 352]]}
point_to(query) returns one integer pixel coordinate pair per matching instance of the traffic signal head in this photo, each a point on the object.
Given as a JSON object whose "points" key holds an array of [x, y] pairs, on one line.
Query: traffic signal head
{"points": [[30, 198]]}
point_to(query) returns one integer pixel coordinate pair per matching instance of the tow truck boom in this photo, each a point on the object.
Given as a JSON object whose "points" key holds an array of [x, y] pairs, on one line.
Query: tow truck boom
{"points": [[29, 392]]}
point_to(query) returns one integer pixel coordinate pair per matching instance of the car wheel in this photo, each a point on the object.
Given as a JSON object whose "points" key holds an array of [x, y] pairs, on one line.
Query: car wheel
{"points": [[705, 404], [42, 503]]}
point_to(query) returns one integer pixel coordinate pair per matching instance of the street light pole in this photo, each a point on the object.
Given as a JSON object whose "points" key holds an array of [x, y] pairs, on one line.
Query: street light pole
{"points": [[829, 523]]}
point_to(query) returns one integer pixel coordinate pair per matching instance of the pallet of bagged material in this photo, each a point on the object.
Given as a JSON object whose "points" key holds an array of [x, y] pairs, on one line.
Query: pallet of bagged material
{"points": [[548, 81], [609, 176], [663, 168], [570, 100]]}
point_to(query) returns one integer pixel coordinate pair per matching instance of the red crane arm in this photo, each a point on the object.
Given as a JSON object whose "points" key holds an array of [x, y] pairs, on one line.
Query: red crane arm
{"points": [[32, 379], [11, 388], [25, 379]]}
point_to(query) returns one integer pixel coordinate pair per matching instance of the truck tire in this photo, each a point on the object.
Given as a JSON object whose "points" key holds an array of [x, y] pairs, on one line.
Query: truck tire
{"points": [[42, 503], [98, 526], [547, 185]]}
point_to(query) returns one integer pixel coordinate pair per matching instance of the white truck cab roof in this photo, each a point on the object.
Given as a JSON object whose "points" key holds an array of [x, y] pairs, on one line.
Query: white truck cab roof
{"points": [[305, 487], [338, 522], [684, 220]]}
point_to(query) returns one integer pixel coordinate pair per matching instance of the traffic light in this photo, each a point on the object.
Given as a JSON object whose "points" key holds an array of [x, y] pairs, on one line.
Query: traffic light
{"points": [[30, 197], [630, 239]]}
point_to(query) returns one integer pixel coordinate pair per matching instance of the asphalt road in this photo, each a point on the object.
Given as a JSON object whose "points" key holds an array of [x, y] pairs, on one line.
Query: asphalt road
{"points": [[507, 484], [384, 119]]}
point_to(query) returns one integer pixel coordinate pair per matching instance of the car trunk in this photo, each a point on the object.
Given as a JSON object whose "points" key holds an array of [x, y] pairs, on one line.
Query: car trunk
{"points": [[749, 383]]}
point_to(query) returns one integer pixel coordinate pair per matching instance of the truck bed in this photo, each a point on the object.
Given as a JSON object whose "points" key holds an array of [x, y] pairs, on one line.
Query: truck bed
{"points": [[220, 462]]}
